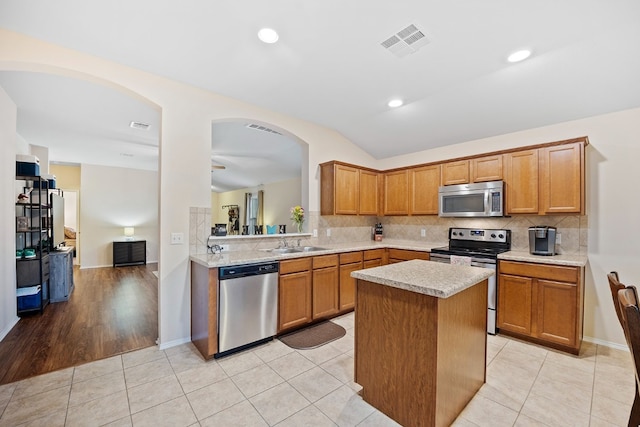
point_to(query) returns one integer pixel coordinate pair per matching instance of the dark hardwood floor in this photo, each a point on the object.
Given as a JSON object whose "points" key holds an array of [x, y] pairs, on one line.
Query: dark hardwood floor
{"points": [[111, 311]]}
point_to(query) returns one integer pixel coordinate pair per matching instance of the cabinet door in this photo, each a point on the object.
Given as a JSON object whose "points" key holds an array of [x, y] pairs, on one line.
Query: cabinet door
{"points": [[562, 179], [521, 181], [424, 190], [372, 263], [369, 194], [325, 292], [514, 303], [487, 168], [557, 312], [396, 193], [346, 190], [455, 172], [348, 285], [294, 298]]}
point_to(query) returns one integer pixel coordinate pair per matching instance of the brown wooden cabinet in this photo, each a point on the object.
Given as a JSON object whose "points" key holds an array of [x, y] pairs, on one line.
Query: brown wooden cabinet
{"points": [[325, 286], [487, 168], [348, 190], [562, 179], [294, 293], [396, 191], [542, 303], [373, 258], [399, 255], [204, 309], [423, 190], [349, 262], [369, 192], [455, 172], [521, 182]]}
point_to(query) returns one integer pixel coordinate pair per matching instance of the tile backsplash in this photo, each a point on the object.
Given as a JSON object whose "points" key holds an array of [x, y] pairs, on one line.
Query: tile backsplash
{"points": [[348, 228]]}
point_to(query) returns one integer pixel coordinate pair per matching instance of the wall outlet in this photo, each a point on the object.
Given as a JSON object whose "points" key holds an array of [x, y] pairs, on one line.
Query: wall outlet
{"points": [[558, 239], [315, 232], [328, 232], [423, 233], [177, 238], [224, 248]]}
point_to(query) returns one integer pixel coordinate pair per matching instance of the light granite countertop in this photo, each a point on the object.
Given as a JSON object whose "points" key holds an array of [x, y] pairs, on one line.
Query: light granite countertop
{"points": [[425, 277], [252, 256]]}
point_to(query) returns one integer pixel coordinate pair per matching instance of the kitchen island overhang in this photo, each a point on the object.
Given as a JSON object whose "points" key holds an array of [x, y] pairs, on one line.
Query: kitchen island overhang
{"points": [[420, 339]]}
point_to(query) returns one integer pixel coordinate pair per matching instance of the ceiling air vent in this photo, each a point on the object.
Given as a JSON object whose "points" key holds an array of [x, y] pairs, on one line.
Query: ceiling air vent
{"points": [[405, 41], [139, 125], [262, 128]]}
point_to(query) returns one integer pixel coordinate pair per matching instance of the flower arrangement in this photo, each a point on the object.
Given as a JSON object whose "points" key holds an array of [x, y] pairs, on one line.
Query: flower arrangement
{"points": [[297, 216]]}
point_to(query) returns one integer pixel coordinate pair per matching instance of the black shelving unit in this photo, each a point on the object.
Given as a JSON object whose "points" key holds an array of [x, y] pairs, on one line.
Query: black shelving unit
{"points": [[33, 231]]}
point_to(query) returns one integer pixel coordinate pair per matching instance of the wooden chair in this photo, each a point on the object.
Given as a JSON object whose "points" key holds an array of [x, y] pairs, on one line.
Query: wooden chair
{"points": [[615, 286], [630, 320]]}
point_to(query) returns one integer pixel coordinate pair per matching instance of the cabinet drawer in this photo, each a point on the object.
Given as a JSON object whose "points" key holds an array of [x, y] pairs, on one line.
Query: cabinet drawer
{"points": [[373, 254], [350, 257], [325, 261], [295, 265], [540, 271], [403, 254]]}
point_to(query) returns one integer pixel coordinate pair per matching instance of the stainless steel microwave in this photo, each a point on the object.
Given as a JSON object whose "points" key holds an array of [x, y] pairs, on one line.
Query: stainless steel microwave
{"points": [[483, 199]]}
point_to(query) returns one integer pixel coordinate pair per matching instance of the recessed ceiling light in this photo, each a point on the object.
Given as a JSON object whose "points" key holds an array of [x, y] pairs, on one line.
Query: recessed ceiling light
{"points": [[518, 56], [395, 103], [268, 35]]}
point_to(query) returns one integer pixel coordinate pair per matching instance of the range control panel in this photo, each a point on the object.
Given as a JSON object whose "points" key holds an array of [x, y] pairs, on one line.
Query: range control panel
{"points": [[480, 235]]}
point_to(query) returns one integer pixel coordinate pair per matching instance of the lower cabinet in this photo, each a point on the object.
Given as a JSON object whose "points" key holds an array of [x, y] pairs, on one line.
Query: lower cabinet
{"points": [[61, 275], [542, 303], [349, 262], [373, 258], [294, 293], [204, 309], [325, 286], [399, 255]]}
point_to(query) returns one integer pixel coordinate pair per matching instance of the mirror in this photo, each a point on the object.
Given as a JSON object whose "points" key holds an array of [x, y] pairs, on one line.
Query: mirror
{"points": [[258, 170]]}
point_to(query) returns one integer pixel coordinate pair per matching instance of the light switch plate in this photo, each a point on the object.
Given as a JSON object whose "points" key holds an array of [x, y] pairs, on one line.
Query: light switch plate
{"points": [[177, 238], [558, 238], [328, 232], [315, 232], [423, 233]]}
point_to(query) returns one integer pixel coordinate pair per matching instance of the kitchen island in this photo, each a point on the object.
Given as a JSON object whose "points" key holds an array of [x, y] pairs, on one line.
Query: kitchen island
{"points": [[420, 339]]}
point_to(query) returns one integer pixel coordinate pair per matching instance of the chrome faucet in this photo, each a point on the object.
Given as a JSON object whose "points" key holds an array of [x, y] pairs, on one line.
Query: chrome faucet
{"points": [[283, 243]]}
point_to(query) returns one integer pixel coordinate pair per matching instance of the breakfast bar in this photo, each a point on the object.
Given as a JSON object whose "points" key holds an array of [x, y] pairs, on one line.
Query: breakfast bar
{"points": [[420, 339]]}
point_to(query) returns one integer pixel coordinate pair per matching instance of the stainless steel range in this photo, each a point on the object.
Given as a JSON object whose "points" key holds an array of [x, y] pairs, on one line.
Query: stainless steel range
{"points": [[478, 248]]}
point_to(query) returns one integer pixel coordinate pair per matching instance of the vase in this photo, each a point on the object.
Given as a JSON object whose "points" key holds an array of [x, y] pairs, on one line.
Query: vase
{"points": [[299, 225]]}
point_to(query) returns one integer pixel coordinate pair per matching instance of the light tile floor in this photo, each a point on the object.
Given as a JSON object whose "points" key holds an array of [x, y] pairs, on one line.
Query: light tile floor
{"points": [[273, 384]]}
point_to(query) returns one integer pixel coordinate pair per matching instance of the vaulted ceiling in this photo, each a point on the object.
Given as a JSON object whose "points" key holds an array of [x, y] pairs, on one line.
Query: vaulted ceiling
{"points": [[331, 64]]}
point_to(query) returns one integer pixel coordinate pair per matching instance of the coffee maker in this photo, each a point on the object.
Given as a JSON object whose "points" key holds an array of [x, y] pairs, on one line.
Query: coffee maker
{"points": [[542, 240]]}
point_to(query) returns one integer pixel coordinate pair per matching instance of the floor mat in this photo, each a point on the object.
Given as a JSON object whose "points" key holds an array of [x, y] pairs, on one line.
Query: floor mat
{"points": [[314, 336]]}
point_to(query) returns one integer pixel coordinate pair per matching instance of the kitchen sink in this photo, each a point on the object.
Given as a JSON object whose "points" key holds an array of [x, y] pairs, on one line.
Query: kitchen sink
{"points": [[310, 249], [296, 249]]}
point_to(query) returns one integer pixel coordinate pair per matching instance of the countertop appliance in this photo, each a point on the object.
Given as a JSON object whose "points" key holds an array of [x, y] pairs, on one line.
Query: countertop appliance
{"points": [[247, 306], [483, 199], [542, 240], [478, 248]]}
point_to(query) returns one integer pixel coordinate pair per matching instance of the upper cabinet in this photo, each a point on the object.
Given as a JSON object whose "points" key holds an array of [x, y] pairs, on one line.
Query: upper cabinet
{"points": [[396, 193], [455, 172], [562, 179], [546, 180], [348, 190], [539, 180], [521, 182], [423, 190], [487, 168]]}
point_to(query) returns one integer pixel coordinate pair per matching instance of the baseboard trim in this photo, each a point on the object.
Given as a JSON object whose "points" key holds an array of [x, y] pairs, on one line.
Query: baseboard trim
{"points": [[8, 329], [174, 343], [606, 343]]}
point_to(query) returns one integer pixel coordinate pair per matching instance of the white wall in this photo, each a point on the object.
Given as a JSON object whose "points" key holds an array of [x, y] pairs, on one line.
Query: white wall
{"points": [[114, 198], [8, 117], [613, 202]]}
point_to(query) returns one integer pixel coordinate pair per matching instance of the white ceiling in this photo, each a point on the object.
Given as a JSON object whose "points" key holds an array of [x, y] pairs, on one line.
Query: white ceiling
{"points": [[329, 67]]}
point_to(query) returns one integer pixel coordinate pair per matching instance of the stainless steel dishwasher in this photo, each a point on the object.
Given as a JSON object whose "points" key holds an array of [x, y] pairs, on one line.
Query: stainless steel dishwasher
{"points": [[247, 306]]}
